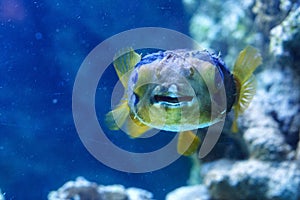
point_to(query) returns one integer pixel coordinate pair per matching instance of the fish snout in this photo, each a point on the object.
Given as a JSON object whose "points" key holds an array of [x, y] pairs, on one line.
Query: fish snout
{"points": [[168, 96], [166, 89]]}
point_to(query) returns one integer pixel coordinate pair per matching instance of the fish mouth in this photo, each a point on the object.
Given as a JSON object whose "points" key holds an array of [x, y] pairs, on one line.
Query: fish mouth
{"points": [[172, 101]]}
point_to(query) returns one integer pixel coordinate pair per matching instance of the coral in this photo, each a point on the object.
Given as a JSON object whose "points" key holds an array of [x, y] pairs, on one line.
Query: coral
{"points": [[248, 180], [1, 196], [228, 26], [254, 179], [276, 104], [270, 13], [285, 39], [216, 26], [84, 190], [270, 147], [273, 113], [197, 192], [285, 31]]}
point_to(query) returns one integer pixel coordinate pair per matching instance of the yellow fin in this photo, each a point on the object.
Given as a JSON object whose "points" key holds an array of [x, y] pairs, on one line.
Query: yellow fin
{"points": [[135, 128], [124, 63], [117, 117], [248, 60], [188, 143]]}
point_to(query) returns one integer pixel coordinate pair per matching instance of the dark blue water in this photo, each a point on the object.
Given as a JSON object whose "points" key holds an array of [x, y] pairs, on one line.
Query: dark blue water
{"points": [[43, 44]]}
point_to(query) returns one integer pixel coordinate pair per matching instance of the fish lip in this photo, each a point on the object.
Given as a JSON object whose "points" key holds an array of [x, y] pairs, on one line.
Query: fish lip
{"points": [[172, 100]]}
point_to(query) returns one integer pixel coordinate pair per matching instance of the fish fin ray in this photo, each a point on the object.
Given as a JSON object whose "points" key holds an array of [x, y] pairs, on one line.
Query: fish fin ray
{"points": [[134, 128], [248, 60], [117, 117], [188, 143], [124, 63]]}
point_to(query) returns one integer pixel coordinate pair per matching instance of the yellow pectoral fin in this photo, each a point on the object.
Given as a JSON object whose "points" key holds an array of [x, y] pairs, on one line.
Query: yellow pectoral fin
{"points": [[234, 126], [188, 143], [124, 63], [134, 128], [248, 60], [246, 93], [117, 117]]}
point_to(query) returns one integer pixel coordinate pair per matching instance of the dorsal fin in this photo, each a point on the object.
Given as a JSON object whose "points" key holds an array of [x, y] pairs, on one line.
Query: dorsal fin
{"points": [[248, 60], [124, 63]]}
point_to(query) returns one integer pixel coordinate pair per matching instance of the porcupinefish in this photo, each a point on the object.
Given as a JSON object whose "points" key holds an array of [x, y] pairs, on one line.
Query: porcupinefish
{"points": [[174, 91]]}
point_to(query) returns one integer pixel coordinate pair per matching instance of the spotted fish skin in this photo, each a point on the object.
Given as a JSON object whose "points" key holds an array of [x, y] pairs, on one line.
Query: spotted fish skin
{"points": [[173, 84], [204, 55]]}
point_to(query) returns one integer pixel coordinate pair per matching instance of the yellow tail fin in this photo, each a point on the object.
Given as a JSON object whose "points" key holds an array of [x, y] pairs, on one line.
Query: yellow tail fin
{"points": [[248, 60]]}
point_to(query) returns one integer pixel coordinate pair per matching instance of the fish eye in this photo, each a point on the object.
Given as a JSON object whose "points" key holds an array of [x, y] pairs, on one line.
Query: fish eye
{"points": [[135, 98], [191, 71]]}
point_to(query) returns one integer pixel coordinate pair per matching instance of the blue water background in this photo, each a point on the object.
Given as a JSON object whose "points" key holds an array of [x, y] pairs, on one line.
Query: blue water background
{"points": [[43, 44]]}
